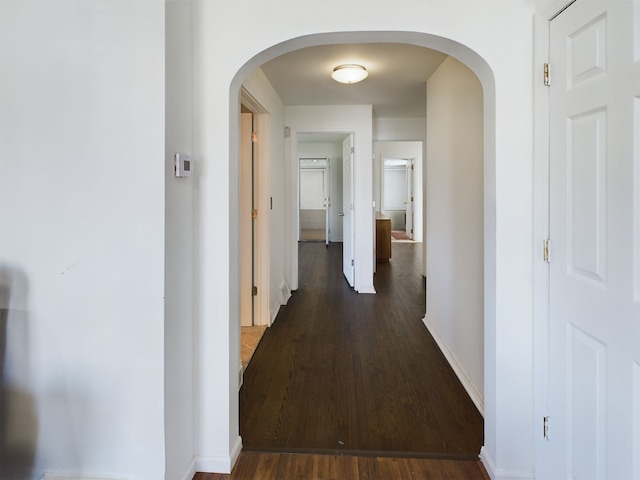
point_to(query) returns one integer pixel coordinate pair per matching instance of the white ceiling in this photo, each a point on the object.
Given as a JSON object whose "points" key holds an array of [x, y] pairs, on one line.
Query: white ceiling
{"points": [[396, 86]]}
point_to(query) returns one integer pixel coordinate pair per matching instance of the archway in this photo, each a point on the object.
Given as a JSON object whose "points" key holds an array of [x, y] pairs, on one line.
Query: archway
{"points": [[484, 74]]}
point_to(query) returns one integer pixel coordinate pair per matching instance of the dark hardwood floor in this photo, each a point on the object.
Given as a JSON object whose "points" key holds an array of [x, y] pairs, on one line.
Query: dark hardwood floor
{"points": [[356, 374], [286, 466]]}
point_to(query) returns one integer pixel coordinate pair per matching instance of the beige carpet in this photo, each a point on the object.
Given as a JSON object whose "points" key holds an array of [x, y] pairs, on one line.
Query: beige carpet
{"points": [[249, 339]]}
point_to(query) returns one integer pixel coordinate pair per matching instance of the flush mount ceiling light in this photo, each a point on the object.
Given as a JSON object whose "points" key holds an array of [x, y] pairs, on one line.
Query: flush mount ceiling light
{"points": [[349, 73]]}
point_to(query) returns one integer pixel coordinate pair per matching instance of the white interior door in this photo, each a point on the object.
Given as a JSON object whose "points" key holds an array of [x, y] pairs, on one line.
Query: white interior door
{"points": [[409, 202], [246, 234], [594, 316], [347, 210], [327, 201]]}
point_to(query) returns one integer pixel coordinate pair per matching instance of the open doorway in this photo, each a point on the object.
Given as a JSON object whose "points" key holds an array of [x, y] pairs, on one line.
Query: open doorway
{"points": [[320, 184], [364, 180], [253, 227], [399, 187], [315, 199], [300, 120], [397, 196]]}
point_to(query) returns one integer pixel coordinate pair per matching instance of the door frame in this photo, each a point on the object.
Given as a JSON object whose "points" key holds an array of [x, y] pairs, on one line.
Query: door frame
{"points": [[541, 186], [326, 191], [498, 374], [386, 149], [291, 149], [409, 180], [261, 246]]}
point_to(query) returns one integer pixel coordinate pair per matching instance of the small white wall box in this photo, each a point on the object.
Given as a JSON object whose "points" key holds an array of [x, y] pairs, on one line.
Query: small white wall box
{"points": [[183, 165]]}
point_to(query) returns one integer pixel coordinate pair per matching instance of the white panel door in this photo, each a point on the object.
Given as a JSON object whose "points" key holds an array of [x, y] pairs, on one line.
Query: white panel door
{"points": [[594, 316], [347, 210], [409, 201], [326, 181]]}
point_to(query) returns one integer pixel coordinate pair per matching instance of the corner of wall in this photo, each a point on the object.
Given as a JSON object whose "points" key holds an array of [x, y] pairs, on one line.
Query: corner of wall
{"points": [[219, 464], [502, 474], [282, 299]]}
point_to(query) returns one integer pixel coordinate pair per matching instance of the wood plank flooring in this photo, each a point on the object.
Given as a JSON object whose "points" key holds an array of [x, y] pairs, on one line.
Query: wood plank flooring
{"points": [[281, 466], [356, 374]]}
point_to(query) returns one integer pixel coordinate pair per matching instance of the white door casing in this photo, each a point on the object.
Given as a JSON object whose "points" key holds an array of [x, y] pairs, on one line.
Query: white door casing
{"points": [[326, 181], [246, 269], [594, 212], [348, 210], [313, 193], [409, 200]]}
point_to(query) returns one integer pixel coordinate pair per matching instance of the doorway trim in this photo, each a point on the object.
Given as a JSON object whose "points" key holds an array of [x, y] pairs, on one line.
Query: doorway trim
{"points": [[262, 127]]}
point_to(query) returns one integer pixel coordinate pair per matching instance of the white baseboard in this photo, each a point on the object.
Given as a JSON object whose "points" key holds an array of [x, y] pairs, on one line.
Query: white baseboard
{"points": [[283, 298], [78, 476], [501, 473], [469, 386], [236, 451], [274, 312], [367, 289], [219, 464], [285, 293], [191, 470]]}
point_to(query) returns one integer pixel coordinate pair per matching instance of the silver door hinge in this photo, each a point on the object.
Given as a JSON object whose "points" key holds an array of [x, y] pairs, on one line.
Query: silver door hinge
{"points": [[353, 263], [545, 427], [254, 290], [547, 81], [545, 250]]}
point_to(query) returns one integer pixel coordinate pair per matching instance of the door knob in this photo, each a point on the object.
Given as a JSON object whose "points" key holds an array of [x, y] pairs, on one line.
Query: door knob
{"points": [[341, 214]]}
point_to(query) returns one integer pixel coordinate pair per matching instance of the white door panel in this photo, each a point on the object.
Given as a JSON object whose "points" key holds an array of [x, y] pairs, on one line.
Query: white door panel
{"points": [[347, 210], [409, 200], [594, 316]]}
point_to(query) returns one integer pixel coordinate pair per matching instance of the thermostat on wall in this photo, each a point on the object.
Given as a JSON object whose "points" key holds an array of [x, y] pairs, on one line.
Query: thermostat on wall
{"points": [[183, 165]]}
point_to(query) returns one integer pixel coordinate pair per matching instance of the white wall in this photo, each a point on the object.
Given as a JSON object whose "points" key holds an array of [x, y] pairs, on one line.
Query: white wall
{"points": [[354, 119], [388, 129], [82, 230], [498, 48], [455, 276], [179, 231], [402, 149], [333, 151]]}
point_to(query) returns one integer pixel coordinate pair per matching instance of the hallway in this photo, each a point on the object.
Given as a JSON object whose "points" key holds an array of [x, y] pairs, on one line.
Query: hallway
{"points": [[344, 373]]}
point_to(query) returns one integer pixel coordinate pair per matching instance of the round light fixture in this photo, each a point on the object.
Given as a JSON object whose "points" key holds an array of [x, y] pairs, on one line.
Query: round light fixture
{"points": [[349, 73]]}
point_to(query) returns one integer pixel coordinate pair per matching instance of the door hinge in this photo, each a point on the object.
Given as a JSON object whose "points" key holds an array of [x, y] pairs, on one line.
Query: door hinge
{"points": [[545, 427], [254, 137], [545, 250], [547, 81], [352, 149], [254, 290], [254, 213], [353, 263]]}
